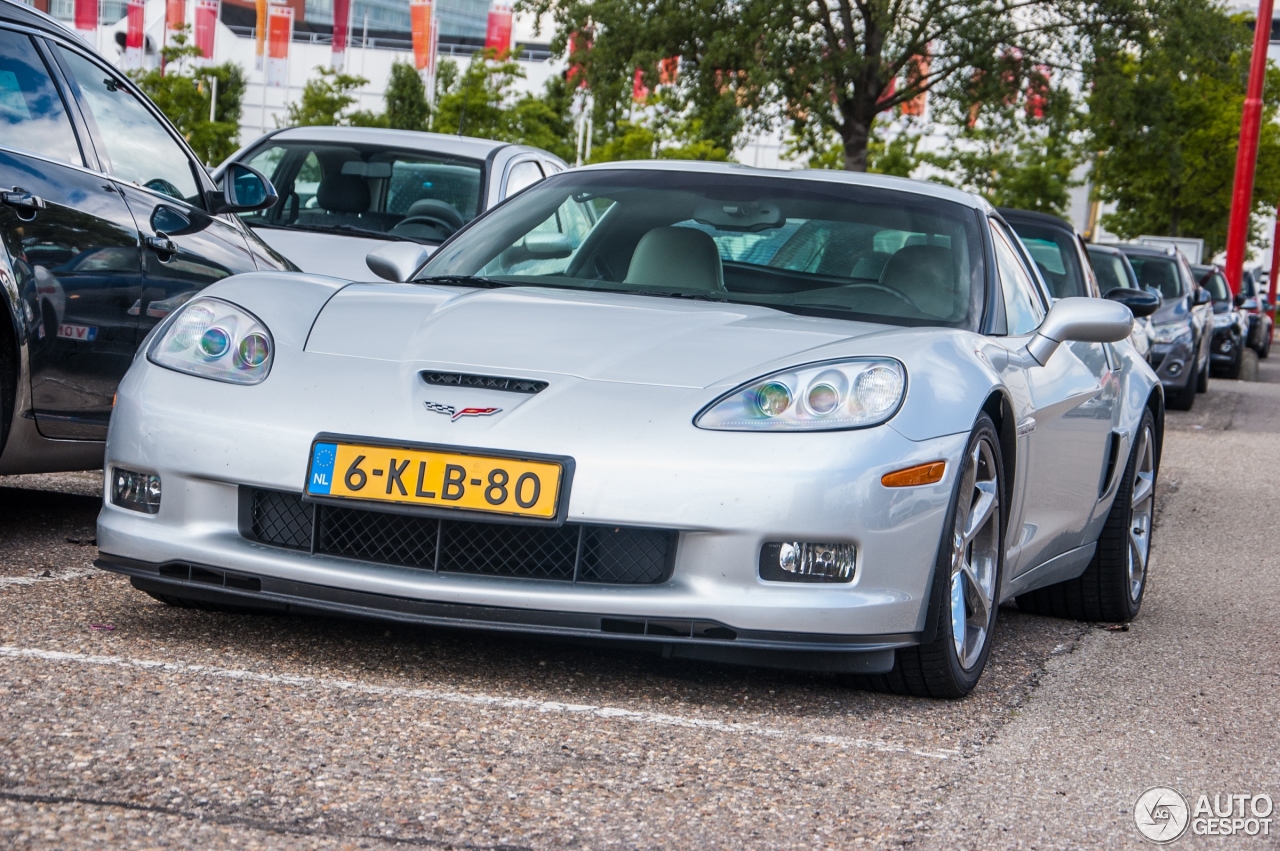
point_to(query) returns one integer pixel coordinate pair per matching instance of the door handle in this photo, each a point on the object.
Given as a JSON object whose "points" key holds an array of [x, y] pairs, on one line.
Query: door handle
{"points": [[161, 244], [22, 199]]}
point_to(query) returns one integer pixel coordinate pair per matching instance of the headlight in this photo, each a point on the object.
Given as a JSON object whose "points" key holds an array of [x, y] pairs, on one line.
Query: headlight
{"points": [[214, 339], [1170, 332], [1222, 320], [818, 397]]}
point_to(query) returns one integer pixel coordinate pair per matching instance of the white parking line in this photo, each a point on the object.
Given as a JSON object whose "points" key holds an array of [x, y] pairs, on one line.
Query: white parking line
{"points": [[483, 700], [61, 576]]}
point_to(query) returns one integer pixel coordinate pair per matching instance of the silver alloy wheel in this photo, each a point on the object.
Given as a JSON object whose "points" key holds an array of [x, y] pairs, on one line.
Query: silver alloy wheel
{"points": [[974, 555], [1142, 505]]}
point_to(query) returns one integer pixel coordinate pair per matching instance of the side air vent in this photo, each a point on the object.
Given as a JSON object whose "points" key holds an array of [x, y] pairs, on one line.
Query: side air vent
{"points": [[483, 382]]}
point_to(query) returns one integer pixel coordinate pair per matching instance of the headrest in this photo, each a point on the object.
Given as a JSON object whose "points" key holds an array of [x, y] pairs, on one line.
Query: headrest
{"points": [[343, 193], [926, 275], [677, 257]]}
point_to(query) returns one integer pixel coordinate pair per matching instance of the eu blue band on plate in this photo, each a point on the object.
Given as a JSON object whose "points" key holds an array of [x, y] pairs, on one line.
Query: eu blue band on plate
{"points": [[322, 458]]}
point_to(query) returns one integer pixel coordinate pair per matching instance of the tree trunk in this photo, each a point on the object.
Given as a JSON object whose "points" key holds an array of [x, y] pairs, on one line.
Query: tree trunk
{"points": [[856, 137]]}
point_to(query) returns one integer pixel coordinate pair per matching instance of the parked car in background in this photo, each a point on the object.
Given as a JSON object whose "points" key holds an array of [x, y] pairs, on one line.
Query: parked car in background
{"points": [[1253, 301], [1113, 272], [1063, 262], [345, 191], [1230, 325], [1183, 324], [108, 223]]}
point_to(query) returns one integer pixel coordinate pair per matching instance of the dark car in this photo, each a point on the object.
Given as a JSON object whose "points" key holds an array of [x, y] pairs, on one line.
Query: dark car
{"points": [[1114, 272], [1061, 258], [1230, 325], [1183, 324], [107, 222], [1253, 301]]}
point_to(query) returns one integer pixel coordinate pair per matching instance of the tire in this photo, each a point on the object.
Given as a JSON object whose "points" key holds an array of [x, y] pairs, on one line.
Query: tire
{"points": [[1265, 349], [1112, 586], [1202, 379], [946, 666], [1232, 372], [1182, 400]]}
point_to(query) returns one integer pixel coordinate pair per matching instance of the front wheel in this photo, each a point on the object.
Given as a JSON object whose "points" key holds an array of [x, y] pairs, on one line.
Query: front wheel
{"points": [[1265, 349], [1202, 380], [1112, 586], [964, 600]]}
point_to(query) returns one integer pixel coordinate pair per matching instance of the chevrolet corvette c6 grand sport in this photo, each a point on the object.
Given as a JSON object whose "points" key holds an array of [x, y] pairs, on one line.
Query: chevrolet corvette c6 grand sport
{"points": [[818, 420]]}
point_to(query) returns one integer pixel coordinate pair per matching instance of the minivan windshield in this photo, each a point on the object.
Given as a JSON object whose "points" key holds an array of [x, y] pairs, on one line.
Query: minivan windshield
{"points": [[804, 246], [1158, 274], [367, 190]]}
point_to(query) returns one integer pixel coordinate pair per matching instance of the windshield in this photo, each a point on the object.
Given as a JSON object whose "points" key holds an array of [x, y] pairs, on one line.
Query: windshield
{"points": [[1211, 279], [805, 246], [367, 190], [1158, 274], [1055, 254], [1111, 271]]}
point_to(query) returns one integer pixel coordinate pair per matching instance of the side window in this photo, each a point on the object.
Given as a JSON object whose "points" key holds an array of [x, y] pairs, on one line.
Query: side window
{"points": [[522, 176], [549, 248], [1022, 307], [32, 117], [138, 146]]}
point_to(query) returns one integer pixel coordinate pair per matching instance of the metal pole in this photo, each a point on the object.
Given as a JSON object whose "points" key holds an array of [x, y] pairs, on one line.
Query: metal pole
{"points": [[213, 99], [1247, 152], [1275, 265]]}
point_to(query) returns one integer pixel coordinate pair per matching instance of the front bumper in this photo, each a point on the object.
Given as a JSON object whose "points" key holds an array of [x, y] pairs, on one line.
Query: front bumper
{"points": [[724, 494], [1174, 362], [1224, 347]]}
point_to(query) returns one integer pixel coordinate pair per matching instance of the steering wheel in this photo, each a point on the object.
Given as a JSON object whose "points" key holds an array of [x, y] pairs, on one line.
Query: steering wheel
{"points": [[898, 294], [164, 187], [446, 228]]}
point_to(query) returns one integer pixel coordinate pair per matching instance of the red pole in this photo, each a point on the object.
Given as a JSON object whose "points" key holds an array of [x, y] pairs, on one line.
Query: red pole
{"points": [[1247, 152], [1275, 265]]}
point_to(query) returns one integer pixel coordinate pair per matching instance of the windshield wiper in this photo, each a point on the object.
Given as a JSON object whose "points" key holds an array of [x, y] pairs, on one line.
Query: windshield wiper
{"points": [[351, 229], [464, 281], [660, 294]]}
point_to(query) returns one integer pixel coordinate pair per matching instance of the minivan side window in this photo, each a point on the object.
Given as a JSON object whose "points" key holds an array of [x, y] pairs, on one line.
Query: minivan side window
{"points": [[32, 116], [138, 147]]}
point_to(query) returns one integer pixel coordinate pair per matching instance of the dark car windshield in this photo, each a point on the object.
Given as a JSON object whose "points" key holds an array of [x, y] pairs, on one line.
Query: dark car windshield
{"points": [[369, 189], [1159, 274], [1212, 280], [1055, 254], [804, 246], [1111, 270]]}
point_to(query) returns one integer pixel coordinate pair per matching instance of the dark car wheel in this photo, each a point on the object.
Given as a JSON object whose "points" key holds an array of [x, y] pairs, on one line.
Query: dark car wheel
{"points": [[1265, 349], [1184, 398], [1202, 379], [1233, 369], [966, 585], [1111, 588]]}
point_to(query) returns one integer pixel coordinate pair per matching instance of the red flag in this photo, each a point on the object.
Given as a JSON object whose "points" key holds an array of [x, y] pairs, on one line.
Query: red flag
{"points": [[579, 44], [498, 35], [133, 33], [668, 70], [639, 91], [279, 35], [260, 34], [206, 26], [86, 14], [917, 70], [423, 24], [175, 16], [341, 16]]}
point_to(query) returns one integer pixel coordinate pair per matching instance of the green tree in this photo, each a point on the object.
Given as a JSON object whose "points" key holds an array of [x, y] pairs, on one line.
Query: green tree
{"points": [[406, 99], [183, 94], [1016, 149], [828, 68], [1165, 117], [327, 99]]}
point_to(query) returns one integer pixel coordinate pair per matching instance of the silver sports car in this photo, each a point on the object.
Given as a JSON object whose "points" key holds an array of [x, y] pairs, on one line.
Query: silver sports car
{"points": [[819, 420]]}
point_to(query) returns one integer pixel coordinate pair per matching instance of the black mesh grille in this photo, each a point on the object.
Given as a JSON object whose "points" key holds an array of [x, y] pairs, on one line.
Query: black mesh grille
{"points": [[374, 536], [281, 519], [484, 382], [604, 554]]}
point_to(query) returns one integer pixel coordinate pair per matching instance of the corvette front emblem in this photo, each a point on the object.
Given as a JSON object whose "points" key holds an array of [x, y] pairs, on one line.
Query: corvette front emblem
{"points": [[455, 414]]}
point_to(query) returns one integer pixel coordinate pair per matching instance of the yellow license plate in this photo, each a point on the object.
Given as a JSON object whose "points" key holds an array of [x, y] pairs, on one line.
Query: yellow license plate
{"points": [[438, 478]]}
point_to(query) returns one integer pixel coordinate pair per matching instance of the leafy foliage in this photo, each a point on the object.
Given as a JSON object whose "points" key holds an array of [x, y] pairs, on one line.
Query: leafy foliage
{"points": [[327, 99], [406, 99], [183, 92], [1165, 112]]}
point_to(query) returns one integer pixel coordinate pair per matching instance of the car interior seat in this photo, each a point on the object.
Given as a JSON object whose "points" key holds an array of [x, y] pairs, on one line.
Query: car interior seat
{"points": [[342, 197], [677, 257], [925, 274]]}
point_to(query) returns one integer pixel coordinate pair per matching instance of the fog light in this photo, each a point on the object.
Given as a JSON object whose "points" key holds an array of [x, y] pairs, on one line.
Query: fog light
{"points": [[1225, 347], [796, 561], [1175, 368], [135, 491]]}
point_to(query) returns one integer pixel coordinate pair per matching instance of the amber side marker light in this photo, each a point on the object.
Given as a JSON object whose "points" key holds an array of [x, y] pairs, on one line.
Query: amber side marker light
{"points": [[921, 474]]}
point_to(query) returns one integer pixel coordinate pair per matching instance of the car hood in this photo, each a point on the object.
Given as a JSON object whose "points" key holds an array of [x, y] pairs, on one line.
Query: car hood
{"points": [[591, 335], [1172, 310], [333, 254]]}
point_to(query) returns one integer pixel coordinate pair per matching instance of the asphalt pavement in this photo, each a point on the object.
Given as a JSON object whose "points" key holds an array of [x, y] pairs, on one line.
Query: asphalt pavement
{"points": [[128, 724]]}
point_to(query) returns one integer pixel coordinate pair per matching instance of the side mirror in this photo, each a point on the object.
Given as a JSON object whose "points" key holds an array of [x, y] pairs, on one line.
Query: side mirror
{"points": [[1140, 302], [244, 190], [1201, 297], [397, 261], [1080, 320]]}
